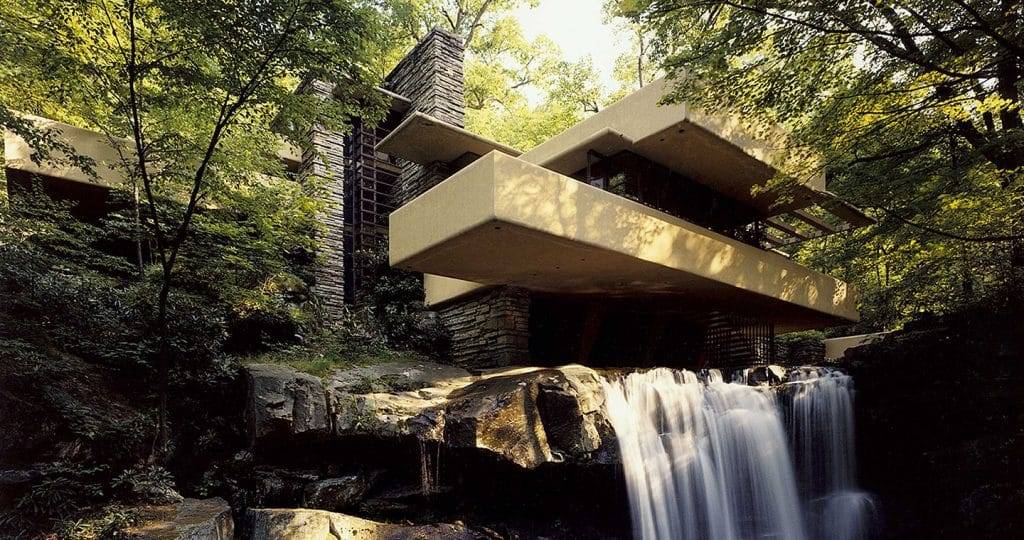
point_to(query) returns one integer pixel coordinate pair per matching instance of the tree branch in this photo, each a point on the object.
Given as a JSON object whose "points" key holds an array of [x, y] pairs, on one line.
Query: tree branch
{"points": [[954, 236]]}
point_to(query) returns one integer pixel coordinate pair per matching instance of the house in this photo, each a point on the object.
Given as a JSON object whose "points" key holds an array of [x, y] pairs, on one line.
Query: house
{"points": [[631, 238]]}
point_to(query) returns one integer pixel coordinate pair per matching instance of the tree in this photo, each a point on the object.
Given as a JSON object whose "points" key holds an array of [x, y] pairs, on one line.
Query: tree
{"points": [[198, 94], [466, 18], [519, 91], [633, 68], [914, 107], [537, 111]]}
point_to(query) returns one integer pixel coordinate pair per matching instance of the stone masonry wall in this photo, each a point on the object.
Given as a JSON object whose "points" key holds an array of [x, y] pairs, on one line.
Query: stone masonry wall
{"points": [[325, 159], [490, 329], [431, 77]]}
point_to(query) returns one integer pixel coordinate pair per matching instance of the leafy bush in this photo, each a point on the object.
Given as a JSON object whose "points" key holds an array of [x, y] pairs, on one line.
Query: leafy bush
{"points": [[77, 350], [394, 299], [800, 337], [65, 489], [107, 522], [150, 484], [353, 340]]}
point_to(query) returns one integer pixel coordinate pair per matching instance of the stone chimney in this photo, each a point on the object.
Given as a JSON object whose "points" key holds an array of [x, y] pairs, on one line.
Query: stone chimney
{"points": [[431, 77]]}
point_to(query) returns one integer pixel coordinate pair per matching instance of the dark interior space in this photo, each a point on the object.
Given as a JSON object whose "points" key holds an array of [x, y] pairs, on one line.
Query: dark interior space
{"points": [[599, 331], [87, 201], [642, 180]]}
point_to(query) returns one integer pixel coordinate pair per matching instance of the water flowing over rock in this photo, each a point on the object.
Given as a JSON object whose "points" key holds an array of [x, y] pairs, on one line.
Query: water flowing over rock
{"points": [[819, 405], [706, 459]]}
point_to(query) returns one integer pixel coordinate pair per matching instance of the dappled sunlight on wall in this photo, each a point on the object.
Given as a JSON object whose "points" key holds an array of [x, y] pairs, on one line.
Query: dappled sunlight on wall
{"points": [[515, 223]]}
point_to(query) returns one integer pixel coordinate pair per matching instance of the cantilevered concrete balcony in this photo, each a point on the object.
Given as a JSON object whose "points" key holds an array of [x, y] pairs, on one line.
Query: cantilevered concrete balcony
{"points": [[108, 155], [505, 221]]}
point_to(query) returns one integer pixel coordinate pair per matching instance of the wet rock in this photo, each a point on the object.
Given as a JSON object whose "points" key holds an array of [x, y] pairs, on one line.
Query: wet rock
{"points": [[763, 375], [15, 477], [499, 414], [14, 483], [190, 519], [399, 501], [571, 406], [528, 416], [303, 524], [282, 402], [272, 486], [338, 494]]}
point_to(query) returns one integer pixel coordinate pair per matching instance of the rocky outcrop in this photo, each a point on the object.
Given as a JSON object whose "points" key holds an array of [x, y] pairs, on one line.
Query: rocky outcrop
{"points": [[940, 426], [337, 494], [303, 524], [762, 375], [530, 416], [282, 402], [527, 416], [191, 519], [393, 399]]}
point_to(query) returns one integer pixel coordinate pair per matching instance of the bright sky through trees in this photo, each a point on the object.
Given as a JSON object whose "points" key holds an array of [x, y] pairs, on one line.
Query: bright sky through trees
{"points": [[579, 29]]}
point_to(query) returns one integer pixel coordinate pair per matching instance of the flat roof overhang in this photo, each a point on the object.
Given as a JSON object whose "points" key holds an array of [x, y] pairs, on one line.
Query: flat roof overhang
{"points": [[717, 150], [503, 221], [93, 145], [423, 139], [105, 152]]}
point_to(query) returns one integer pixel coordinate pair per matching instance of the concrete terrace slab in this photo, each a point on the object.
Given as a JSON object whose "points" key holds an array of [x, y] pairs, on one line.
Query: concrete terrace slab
{"points": [[424, 139], [716, 150], [504, 221]]}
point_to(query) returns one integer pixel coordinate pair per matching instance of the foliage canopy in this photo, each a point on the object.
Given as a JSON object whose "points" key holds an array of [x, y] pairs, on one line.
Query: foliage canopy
{"points": [[915, 107]]}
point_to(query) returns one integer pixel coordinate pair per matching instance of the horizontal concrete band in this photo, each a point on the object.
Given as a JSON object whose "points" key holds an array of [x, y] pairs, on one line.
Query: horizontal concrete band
{"points": [[504, 221]]}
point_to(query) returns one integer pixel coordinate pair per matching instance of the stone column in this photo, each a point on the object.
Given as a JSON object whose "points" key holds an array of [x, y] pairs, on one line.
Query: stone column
{"points": [[325, 161], [489, 330], [430, 76]]}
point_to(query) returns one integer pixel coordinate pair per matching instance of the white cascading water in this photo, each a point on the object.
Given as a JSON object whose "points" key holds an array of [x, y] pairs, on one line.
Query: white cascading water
{"points": [[706, 459], [818, 403]]}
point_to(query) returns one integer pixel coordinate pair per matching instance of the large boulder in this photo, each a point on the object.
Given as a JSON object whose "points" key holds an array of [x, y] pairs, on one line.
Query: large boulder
{"points": [[571, 405], [338, 494], [278, 486], [190, 519], [303, 524], [283, 403], [768, 375], [530, 416], [499, 414]]}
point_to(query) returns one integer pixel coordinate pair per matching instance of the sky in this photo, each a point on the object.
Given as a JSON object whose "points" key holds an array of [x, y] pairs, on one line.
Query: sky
{"points": [[578, 27]]}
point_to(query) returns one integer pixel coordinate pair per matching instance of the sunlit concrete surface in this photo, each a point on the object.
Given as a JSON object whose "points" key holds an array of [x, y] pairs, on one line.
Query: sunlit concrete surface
{"points": [[108, 154], [440, 289], [720, 151], [103, 151], [423, 139], [504, 221], [835, 348]]}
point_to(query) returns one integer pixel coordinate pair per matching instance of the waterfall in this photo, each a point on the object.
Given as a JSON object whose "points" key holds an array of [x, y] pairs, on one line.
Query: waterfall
{"points": [[819, 404], [706, 459]]}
